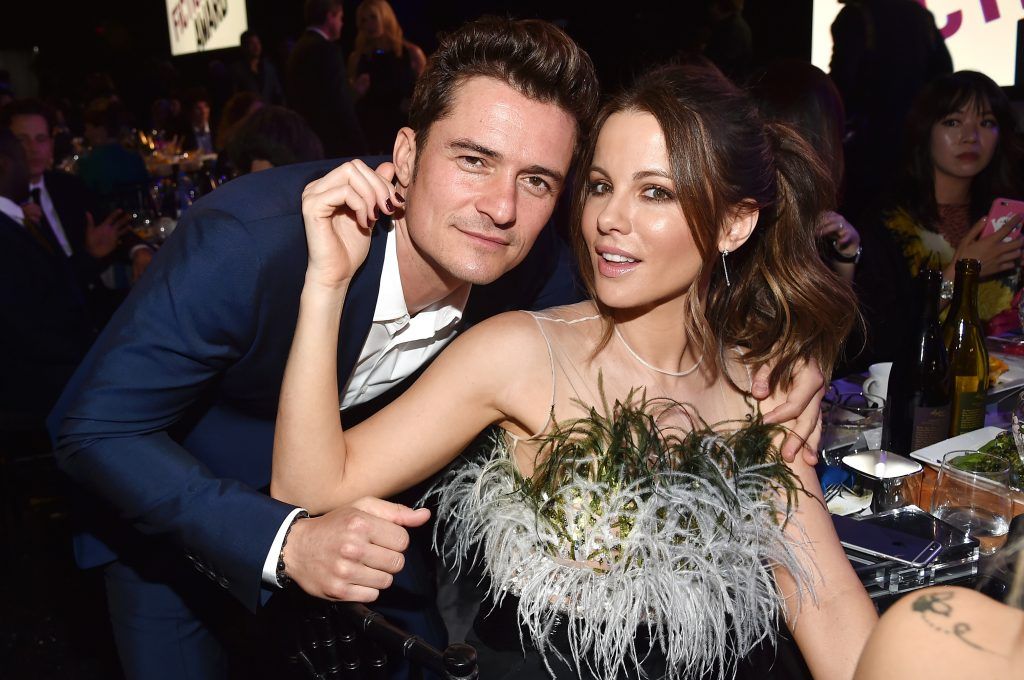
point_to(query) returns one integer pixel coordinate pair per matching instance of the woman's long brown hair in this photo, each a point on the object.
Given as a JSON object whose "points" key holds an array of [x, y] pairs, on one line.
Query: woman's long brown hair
{"points": [[784, 304]]}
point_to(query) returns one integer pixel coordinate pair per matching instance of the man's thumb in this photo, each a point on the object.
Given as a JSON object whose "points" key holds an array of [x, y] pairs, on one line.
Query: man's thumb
{"points": [[397, 513]]}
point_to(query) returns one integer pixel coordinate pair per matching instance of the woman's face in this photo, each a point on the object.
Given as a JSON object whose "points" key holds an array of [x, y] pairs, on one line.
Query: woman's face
{"points": [[640, 245], [370, 23], [964, 141]]}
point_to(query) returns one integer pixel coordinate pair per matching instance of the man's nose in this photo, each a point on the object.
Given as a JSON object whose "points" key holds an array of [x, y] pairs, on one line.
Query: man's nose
{"points": [[498, 201]]}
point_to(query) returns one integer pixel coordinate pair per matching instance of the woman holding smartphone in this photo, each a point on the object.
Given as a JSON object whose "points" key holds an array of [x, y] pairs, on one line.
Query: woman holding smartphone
{"points": [[963, 153]]}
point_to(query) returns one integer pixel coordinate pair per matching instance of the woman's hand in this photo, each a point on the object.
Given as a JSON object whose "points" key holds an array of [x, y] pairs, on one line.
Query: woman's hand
{"points": [[835, 228], [339, 211], [995, 256]]}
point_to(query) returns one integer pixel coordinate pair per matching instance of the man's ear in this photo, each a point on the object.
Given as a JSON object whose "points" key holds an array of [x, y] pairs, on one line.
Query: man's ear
{"points": [[404, 156], [738, 228]]}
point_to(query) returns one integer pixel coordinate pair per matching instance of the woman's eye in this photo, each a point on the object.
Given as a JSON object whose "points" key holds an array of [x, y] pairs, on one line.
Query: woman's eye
{"points": [[950, 122], [598, 187], [657, 193], [990, 123]]}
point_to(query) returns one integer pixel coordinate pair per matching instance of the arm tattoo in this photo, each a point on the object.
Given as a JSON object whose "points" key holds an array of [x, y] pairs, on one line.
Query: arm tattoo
{"points": [[933, 606]]}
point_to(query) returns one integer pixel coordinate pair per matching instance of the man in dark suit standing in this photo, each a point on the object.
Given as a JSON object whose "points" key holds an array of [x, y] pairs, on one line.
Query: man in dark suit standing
{"points": [[317, 83], [169, 423], [64, 207], [44, 327]]}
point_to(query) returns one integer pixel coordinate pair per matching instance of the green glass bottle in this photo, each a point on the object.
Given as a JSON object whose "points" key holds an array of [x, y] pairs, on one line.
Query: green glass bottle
{"points": [[964, 336]]}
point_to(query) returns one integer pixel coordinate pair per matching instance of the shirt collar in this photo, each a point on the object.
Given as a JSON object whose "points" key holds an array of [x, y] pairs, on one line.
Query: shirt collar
{"points": [[317, 30], [391, 309], [12, 210], [41, 184]]}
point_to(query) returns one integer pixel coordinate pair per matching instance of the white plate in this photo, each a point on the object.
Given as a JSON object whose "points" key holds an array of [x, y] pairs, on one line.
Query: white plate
{"points": [[968, 441], [1012, 379]]}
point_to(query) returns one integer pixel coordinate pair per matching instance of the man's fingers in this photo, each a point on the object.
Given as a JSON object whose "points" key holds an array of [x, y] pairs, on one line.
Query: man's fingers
{"points": [[759, 387], [351, 593], [382, 559], [393, 512]]}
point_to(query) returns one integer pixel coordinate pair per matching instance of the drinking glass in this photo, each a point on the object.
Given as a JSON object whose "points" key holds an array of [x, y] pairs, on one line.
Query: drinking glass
{"points": [[851, 423], [971, 493]]}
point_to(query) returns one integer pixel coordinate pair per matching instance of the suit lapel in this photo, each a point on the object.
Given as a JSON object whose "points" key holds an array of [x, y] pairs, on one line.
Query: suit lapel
{"points": [[360, 303]]}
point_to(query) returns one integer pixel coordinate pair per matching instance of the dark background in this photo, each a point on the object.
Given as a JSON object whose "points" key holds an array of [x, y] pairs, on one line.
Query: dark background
{"points": [[128, 38]]}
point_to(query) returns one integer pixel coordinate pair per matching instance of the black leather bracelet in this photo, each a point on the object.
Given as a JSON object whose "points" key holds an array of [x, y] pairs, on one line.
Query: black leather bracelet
{"points": [[283, 579]]}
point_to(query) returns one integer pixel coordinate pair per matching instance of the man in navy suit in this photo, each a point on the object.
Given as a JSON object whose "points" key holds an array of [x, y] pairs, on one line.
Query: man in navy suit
{"points": [[169, 423]]}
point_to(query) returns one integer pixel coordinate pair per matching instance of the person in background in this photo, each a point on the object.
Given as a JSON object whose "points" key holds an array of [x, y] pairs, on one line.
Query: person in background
{"points": [[199, 135], [108, 169], [317, 83], [237, 109], [270, 137], [884, 52], [383, 68], [62, 205], [45, 327], [252, 72], [803, 96], [962, 150]]}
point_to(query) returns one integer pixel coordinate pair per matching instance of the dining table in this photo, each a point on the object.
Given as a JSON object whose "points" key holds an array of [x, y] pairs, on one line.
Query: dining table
{"points": [[1001, 400]]}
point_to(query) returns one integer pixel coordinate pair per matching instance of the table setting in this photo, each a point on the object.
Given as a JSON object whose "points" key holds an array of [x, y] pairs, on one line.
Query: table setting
{"points": [[957, 497]]}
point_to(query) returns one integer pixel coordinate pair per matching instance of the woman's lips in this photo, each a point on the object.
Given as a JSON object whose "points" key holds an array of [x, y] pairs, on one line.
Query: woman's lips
{"points": [[612, 262], [968, 157]]}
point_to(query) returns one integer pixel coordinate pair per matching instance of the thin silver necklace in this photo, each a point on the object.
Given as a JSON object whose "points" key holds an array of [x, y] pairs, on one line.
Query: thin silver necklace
{"points": [[675, 374]]}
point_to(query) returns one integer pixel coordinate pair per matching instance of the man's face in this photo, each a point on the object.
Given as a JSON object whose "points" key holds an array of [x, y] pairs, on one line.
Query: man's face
{"points": [[487, 180], [334, 23], [34, 135], [253, 47], [200, 114]]}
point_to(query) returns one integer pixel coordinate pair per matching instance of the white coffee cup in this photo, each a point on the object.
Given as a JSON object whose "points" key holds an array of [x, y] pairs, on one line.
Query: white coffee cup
{"points": [[876, 386]]}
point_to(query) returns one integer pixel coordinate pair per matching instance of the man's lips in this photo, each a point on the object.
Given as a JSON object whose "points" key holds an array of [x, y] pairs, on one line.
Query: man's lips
{"points": [[494, 239]]}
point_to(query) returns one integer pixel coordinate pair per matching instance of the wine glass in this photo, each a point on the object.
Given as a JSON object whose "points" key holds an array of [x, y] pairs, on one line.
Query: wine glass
{"points": [[971, 493]]}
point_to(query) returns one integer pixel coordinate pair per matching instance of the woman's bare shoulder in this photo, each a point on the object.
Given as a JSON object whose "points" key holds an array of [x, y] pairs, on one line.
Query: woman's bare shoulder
{"points": [[945, 632]]}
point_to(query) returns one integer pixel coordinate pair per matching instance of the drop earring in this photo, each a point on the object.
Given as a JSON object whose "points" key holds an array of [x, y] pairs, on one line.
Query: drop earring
{"points": [[725, 268]]}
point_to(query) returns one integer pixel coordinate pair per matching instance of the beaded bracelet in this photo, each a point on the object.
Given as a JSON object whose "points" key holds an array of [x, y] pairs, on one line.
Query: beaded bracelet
{"points": [[283, 579]]}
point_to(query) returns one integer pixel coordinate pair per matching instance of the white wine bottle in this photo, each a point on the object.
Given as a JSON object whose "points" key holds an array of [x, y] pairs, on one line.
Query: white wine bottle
{"points": [[964, 337]]}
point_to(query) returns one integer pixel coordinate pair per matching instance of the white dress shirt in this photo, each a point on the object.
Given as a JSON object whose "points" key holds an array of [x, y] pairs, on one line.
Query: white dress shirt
{"points": [[12, 210], [397, 345], [46, 203]]}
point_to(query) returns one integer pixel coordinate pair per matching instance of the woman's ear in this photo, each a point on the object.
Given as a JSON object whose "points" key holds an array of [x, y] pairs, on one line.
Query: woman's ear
{"points": [[404, 156], [739, 228]]}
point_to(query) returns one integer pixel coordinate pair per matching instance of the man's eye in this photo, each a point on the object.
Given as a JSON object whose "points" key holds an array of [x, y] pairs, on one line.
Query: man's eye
{"points": [[472, 161], [657, 193], [538, 183]]}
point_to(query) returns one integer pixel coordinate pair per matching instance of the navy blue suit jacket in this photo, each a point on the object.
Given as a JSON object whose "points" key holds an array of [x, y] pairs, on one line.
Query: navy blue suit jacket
{"points": [[170, 418]]}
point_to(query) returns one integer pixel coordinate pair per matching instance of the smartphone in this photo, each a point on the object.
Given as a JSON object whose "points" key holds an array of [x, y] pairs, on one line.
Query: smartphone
{"points": [[1001, 211], [956, 543], [884, 542]]}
